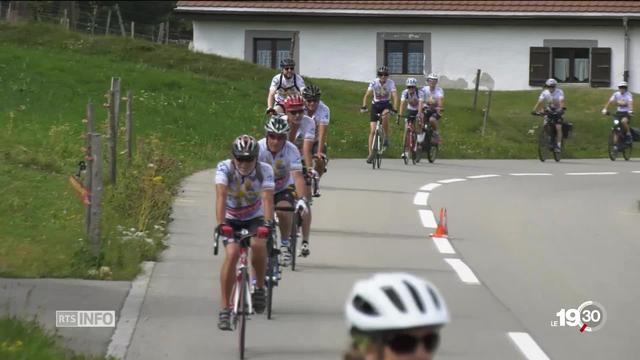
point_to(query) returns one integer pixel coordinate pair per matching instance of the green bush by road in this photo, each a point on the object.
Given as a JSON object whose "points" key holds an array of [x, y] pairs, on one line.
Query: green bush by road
{"points": [[187, 108]]}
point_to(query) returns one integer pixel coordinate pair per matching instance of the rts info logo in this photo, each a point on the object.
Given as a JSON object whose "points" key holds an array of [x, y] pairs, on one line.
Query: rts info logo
{"points": [[589, 316]]}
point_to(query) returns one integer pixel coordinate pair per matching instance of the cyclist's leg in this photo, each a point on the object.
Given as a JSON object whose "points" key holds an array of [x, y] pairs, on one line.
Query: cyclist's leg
{"points": [[385, 125], [228, 272], [558, 133], [285, 218], [372, 131], [258, 252]]}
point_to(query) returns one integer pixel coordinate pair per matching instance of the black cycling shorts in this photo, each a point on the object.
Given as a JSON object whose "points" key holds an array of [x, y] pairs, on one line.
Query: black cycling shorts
{"points": [[237, 225], [411, 115], [288, 195], [378, 108], [429, 113]]}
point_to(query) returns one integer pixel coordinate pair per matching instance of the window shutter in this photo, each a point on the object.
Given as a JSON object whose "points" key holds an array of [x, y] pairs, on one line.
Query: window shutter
{"points": [[600, 67], [539, 69]]}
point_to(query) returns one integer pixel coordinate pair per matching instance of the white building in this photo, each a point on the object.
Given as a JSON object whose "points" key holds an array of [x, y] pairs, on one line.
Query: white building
{"points": [[516, 44]]}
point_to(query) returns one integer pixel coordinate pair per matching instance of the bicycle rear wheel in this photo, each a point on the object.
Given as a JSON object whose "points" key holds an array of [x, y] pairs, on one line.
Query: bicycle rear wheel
{"points": [[626, 153], [406, 148], [242, 311], [415, 151], [543, 145], [378, 159], [294, 238]]}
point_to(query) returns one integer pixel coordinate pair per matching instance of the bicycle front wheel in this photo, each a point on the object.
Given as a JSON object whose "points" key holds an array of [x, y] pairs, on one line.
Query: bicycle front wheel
{"points": [[294, 238], [271, 277], [543, 145], [242, 311], [406, 147]]}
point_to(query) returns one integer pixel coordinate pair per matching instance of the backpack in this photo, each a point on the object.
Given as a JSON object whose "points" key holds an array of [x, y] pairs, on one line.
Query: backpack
{"points": [[295, 83], [231, 174]]}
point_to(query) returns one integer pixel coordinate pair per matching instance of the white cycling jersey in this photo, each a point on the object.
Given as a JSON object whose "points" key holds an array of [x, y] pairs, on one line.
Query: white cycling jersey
{"points": [[306, 131], [320, 116], [244, 195], [285, 87], [431, 97], [412, 99], [552, 99], [381, 92], [622, 100], [283, 163]]}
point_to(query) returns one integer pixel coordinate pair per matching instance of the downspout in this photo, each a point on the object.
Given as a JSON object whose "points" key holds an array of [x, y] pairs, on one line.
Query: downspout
{"points": [[625, 24]]}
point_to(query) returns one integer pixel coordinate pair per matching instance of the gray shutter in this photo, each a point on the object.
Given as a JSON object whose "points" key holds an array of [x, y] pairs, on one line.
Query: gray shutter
{"points": [[600, 67], [539, 69]]}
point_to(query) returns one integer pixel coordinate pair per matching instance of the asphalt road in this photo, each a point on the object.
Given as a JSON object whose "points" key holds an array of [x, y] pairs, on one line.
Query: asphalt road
{"points": [[536, 243]]}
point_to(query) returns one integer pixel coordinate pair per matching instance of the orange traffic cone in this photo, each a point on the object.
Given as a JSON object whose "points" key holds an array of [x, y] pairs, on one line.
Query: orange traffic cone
{"points": [[441, 229]]}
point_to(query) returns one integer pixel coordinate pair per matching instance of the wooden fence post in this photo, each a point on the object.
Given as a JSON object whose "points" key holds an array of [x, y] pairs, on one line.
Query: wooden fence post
{"points": [[486, 112], [115, 86], [120, 20], [96, 194], [129, 125], [133, 26], [89, 180], [93, 18], [166, 33], [113, 136], [106, 32], [475, 93], [160, 33]]}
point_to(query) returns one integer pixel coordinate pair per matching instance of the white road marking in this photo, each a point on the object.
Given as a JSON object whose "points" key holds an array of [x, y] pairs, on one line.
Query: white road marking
{"points": [[482, 176], [429, 187], [531, 174], [464, 272], [443, 245], [428, 220], [528, 346], [130, 312], [421, 198], [449, 181], [636, 172], [593, 173]]}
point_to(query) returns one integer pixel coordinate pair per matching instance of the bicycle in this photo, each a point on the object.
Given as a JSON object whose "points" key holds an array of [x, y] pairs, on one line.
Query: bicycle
{"points": [[296, 229], [320, 165], [429, 146], [242, 305], [617, 132], [410, 145], [547, 138]]}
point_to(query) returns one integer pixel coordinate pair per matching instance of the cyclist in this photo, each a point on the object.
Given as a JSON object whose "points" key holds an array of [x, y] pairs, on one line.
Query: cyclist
{"points": [[302, 134], [624, 100], [432, 104], [552, 99], [283, 155], [411, 97], [320, 113], [282, 85], [244, 200], [395, 316], [383, 90]]}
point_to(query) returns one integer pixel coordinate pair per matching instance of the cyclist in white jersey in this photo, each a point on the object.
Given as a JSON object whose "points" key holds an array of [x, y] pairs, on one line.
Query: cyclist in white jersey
{"points": [[282, 85], [624, 100], [285, 158], [244, 200], [303, 133], [411, 98], [320, 113], [552, 101], [383, 90], [432, 104]]}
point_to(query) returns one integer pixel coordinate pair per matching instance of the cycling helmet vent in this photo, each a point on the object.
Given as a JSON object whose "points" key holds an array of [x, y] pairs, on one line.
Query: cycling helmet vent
{"points": [[394, 298], [434, 297], [414, 294], [364, 306]]}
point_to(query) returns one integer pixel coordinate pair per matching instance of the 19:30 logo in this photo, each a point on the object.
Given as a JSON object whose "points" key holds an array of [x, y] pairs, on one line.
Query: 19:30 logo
{"points": [[589, 316]]}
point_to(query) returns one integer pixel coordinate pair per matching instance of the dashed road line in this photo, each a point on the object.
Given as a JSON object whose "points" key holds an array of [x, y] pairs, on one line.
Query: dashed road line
{"points": [[528, 346], [443, 245], [482, 176], [636, 172], [427, 218], [430, 187], [464, 272], [593, 173], [531, 174], [421, 198], [449, 181]]}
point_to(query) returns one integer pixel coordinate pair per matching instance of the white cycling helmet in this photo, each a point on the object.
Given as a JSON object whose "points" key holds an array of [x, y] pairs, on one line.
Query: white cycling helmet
{"points": [[411, 82], [551, 82], [432, 76], [394, 301], [623, 84]]}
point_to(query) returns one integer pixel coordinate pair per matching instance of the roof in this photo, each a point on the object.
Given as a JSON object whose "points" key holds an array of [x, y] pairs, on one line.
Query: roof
{"points": [[420, 8]]}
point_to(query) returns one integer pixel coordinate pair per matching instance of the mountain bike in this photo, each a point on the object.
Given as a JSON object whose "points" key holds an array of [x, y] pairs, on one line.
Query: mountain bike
{"points": [[428, 145], [411, 147], [547, 138], [241, 294], [617, 132]]}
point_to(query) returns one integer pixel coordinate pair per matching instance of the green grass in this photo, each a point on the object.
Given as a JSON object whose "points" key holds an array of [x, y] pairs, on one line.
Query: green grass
{"points": [[21, 339], [187, 108]]}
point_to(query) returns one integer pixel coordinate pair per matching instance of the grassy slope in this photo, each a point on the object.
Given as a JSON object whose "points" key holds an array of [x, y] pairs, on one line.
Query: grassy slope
{"points": [[192, 104]]}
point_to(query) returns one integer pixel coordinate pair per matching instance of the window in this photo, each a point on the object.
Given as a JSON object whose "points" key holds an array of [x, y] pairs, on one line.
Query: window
{"points": [[269, 52], [404, 57], [570, 64]]}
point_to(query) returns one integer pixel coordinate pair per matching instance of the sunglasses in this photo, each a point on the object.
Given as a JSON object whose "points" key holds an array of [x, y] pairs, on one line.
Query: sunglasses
{"points": [[276, 136], [245, 159], [312, 100], [289, 68], [296, 112], [407, 344], [383, 74]]}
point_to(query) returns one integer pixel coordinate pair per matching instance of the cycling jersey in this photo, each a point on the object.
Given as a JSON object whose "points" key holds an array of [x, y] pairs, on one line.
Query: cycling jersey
{"points": [[244, 195], [285, 161], [431, 97], [412, 99], [381, 92], [622, 100], [320, 116], [285, 87], [552, 100], [306, 131]]}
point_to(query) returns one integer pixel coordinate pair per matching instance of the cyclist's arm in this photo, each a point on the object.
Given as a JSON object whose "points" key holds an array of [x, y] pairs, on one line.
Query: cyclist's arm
{"points": [[366, 97], [267, 203], [401, 108], [394, 94], [562, 105], [307, 146], [606, 106], [221, 198], [630, 106], [322, 138], [299, 183], [538, 106], [270, 98], [441, 103]]}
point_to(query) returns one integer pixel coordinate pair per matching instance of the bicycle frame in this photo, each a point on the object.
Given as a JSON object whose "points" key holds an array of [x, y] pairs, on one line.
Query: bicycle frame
{"points": [[242, 275]]}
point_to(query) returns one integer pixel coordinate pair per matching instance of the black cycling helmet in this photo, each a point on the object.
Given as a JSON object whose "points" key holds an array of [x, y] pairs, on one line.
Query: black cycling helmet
{"points": [[245, 147], [287, 62], [383, 70], [277, 124], [311, 92]]}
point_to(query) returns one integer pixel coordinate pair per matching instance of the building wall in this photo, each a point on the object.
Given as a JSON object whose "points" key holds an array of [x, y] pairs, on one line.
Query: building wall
{"points": [[348, 51]]}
